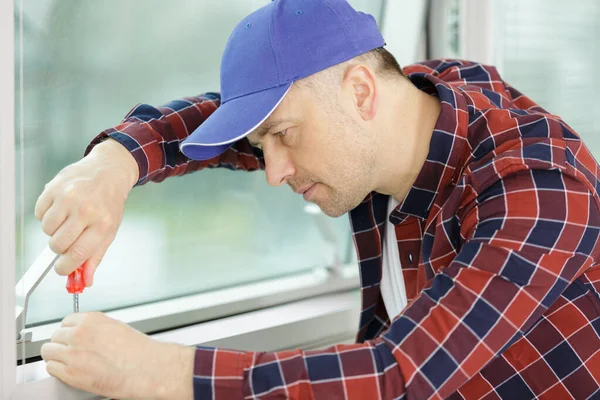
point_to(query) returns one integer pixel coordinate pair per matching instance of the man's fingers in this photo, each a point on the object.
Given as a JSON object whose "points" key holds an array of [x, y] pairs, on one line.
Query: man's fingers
{"points": [[53, 218], [54, 352], [93, 262], [78, 252], [73, 320], [63, 335], [83, 250], [60, 371], [90, 269], [66, 235], [42, 204]]}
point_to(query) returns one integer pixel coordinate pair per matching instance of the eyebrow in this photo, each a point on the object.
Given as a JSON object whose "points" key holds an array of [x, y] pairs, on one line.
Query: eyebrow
{"points": [[266, 127]]}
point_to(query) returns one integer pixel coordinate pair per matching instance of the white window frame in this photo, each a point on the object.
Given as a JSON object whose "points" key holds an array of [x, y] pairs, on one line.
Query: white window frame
{"points": [[7, 202]]}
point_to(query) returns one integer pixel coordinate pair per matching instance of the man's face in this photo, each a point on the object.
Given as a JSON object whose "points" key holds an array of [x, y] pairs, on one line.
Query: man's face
{"points": [[320, 149]]}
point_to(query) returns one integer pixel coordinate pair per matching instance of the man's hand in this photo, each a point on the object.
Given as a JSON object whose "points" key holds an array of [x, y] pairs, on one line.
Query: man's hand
{"points": [[104, 356], [82, 207]]}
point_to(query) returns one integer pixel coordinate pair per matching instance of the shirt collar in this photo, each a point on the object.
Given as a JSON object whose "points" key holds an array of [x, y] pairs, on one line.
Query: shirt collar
{"points": [[443, 165]]}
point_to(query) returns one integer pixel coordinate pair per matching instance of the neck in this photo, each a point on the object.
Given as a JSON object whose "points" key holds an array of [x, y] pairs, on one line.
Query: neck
{"points": [[406, 125]]}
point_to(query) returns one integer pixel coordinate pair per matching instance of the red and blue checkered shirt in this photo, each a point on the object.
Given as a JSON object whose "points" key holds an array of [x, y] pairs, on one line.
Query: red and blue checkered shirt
{"points": [[498, 241]]}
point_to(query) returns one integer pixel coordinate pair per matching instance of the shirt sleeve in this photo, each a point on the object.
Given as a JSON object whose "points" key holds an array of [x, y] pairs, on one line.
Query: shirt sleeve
{"points": [[153, 134], [526, 238]]}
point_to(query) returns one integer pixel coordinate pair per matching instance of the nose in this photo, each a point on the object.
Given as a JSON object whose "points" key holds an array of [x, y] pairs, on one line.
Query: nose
{"points": [[278, 164]]}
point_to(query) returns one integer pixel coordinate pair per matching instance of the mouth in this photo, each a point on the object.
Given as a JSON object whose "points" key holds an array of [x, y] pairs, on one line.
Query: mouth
{"points": [[303, 189], [309, 192]]}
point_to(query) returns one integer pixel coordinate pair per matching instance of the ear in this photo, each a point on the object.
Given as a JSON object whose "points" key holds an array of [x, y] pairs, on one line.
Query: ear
{"points": [[361, 83]]}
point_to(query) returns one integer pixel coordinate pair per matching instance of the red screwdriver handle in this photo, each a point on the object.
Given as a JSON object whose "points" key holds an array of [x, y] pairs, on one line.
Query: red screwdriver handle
{"points": [[75, 282]]}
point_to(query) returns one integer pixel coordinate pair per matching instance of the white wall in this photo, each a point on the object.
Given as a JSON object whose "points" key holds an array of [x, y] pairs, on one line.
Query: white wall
{"points": [[477, 31], [403, 29]]}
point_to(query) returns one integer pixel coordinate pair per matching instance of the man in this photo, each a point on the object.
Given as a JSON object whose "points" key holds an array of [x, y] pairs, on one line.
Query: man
{"points": [[467, 200]]}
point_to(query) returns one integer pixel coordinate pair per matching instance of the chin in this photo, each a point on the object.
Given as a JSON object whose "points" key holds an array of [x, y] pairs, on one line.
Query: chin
{"points": [[333, 210], [334, 213], [335, 204]]}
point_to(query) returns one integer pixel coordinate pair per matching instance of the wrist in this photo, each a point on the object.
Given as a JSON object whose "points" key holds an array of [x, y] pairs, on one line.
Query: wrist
{"points": [[120, 157], [175, 374]]}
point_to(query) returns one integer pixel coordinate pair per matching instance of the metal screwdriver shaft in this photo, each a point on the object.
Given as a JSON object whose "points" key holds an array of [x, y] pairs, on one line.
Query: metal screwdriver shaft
{"points": [[75, 285]]}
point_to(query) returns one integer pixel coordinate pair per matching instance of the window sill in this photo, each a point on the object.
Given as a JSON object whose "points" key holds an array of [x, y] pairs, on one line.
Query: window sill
{"points": [[308, 324], [188, 310]]}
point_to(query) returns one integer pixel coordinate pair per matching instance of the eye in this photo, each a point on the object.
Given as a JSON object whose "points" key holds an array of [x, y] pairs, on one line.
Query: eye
{"points": [[280, 133]]}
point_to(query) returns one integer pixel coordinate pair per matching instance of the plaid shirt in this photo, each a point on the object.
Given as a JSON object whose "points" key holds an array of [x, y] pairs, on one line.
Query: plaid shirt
{"points": [[498, 241]]}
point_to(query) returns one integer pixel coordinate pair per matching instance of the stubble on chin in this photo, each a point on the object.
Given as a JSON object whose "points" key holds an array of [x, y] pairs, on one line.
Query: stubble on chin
{"points": [[336, 205]]}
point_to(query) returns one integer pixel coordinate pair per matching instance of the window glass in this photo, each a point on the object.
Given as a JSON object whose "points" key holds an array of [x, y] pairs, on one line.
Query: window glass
{"points": [[81, 66]]}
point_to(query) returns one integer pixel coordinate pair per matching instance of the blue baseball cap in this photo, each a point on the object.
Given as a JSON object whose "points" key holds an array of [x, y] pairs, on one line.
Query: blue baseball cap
{"points": [[267, 52]]}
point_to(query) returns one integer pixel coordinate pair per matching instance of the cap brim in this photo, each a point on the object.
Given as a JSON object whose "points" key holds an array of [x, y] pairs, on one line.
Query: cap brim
{"points": [[231, 122]]}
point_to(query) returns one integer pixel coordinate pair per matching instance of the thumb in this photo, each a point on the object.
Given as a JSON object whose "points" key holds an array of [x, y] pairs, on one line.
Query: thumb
{"points": [[89, 270], [92, 263]]}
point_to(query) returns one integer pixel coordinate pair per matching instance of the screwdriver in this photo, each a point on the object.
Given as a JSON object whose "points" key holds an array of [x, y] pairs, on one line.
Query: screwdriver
{"points": [[75, 286]]}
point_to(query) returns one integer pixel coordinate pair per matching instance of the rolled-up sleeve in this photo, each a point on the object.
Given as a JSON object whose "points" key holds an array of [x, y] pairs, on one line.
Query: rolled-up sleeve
{"points": [[153, 135]]}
